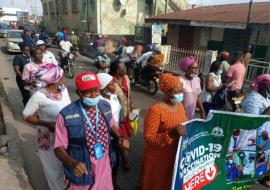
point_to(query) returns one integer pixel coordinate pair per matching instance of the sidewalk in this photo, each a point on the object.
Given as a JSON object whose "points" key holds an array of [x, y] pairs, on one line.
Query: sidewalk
{"points": [[12, 174]]}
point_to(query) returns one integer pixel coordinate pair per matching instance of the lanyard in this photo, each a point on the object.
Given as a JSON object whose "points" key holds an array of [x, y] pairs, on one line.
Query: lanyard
{"points": [[88, 121]]}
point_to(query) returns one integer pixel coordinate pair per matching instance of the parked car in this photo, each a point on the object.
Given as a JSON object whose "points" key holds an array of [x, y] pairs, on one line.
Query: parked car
{"points": [[14, 38], [3, 30]]}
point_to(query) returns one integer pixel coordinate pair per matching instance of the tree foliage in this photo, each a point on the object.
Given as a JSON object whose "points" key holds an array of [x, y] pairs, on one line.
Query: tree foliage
{"points": [[42, 25]]}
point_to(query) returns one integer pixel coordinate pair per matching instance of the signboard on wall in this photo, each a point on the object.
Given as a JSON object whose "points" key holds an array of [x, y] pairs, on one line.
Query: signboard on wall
{"points": [[156, 33]]}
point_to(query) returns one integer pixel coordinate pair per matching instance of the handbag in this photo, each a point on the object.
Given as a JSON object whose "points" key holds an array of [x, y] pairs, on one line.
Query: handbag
{"points": [[125, 129], [134, 120], [220, 98]]}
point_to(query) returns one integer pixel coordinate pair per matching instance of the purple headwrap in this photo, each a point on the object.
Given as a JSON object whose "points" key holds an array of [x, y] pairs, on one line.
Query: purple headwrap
{"points": [[49, 74], [186, 62], [260, 82]]}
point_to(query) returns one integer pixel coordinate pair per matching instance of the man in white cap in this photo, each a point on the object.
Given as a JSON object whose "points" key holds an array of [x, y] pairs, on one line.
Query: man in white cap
{"points": [[48, 57]]}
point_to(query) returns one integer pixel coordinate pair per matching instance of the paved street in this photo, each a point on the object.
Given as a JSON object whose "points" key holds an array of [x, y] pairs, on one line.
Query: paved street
{"points": [[27, 133]]}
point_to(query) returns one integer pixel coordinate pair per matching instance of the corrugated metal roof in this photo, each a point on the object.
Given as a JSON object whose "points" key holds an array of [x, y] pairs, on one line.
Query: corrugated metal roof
{"points": [[231, 13]]}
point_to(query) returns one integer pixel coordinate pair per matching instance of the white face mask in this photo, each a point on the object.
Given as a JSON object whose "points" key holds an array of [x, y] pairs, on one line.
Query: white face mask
{"points": [[220, 71], [193, 75], [61, 87], [107, 93], [268, 95]]}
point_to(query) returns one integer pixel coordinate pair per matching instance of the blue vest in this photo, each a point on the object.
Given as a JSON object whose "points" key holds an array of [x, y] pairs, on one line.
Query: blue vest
{"points": [[77, 147]]}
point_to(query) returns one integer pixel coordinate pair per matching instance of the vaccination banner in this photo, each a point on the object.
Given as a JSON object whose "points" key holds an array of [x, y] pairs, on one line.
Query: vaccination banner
{"points": [[226, 152]]}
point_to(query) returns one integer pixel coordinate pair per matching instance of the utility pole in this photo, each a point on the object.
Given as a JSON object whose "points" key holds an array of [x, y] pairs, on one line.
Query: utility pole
{"points": [[166, 6], [87, 16], [155, 8], [249, 12], [12, 3]]}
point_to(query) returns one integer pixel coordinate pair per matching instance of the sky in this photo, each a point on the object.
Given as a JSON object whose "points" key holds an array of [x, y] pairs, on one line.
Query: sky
{"points": [[26, 4]]}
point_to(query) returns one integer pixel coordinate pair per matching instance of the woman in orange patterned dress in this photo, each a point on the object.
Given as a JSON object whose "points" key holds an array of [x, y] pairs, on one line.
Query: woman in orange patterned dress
{"points": [[162, 129]]}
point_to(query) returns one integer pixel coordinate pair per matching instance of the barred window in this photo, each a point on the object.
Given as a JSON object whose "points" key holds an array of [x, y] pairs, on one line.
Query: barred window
{"points": [[51, 7], [64, 7], [45, 8], [75, 6]]}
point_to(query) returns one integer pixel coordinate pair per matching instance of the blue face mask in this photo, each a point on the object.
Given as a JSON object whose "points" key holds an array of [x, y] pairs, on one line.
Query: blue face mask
{"points": [[91, 101], [177, 98]]}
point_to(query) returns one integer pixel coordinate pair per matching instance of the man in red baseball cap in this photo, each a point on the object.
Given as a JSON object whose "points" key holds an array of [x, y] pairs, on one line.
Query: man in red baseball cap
{"points": [[82, 137]]}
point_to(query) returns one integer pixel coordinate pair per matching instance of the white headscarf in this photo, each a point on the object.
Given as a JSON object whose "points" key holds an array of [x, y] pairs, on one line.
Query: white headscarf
{"points": [[104, 79]]}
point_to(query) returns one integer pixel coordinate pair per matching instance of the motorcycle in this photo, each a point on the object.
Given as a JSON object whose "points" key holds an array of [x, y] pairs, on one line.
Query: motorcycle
{"points": [[130, 67], [150, 82], [67, 62]]}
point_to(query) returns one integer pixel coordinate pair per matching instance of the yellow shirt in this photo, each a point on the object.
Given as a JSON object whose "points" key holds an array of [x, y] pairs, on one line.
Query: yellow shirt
{"points": [[157, 60]]}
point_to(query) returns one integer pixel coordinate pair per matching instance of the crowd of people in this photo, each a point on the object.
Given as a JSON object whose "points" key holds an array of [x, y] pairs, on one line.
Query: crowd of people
{"points": [[82, 144]]}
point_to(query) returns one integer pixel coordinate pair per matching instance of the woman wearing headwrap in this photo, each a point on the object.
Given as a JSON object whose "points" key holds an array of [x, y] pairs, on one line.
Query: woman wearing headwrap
{"points": [[123, 92], [108, 93], [41, 110], [30, 69], [102, 61], [162, 129], [192, 87], [258, 101]]}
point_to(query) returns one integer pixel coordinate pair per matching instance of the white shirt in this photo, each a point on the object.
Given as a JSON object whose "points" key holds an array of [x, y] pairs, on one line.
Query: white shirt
{"points": [[144, 58], [116, 108], [65, 45], [48, 57], [46, 108], [206, 96], [129, 49], [255, 103]]}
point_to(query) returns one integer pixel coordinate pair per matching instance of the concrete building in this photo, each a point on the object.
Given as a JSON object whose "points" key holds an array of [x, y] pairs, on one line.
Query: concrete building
{"points": [[109, 17], [220, 27], [94, 16], [14, 15]]}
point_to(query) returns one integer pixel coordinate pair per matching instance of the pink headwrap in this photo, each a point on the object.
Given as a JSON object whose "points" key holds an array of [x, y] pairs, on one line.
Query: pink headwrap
{"points": [[49, 74], [260, 82], [186, 62]]}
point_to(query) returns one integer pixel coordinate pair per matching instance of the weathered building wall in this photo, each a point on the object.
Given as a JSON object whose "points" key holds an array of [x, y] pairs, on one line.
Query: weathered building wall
{"points": [[106, 17], [173, 35], [115, 18]]}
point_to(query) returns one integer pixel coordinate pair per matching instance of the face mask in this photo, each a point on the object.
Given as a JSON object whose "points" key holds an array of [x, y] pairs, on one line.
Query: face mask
{"points": [[250, 143], [268, 94], [177, 98], [241, 155], [265, 138], [61, 87], [107, 93], [220, 71], [91, 101], [234, 136], [261, 159], [193, 75], [231, 162]]}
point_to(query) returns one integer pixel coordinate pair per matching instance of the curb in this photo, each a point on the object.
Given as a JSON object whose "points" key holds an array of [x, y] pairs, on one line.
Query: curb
{"points": [[15, 159]]}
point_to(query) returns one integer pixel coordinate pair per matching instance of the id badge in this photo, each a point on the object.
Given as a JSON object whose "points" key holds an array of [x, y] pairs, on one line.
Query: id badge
{"points": [[98, 151]]}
